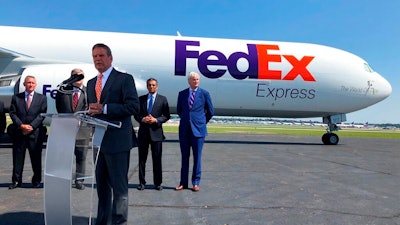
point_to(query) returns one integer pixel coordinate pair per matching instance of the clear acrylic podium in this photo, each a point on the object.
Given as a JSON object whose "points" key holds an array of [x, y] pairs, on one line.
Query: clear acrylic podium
{"points": [[59, 162]]}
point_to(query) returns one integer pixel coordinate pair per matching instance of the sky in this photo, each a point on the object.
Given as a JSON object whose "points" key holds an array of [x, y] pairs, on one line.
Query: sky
{"points": [[367, 28]]}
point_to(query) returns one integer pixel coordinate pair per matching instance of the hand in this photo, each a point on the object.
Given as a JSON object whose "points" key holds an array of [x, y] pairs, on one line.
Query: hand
{"points": [[26, 129], [149, 119], [95, 109]]}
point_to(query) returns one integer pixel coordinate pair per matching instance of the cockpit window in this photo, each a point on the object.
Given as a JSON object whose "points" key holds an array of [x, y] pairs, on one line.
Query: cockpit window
{"points": [[368, 68]]}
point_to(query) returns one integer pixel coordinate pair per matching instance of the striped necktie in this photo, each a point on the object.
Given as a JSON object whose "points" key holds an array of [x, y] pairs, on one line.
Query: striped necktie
{"points": [[75, 98], [191, 99]]}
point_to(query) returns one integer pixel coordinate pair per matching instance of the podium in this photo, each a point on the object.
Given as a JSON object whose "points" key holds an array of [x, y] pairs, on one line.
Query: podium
{"points": [[59, 162]]}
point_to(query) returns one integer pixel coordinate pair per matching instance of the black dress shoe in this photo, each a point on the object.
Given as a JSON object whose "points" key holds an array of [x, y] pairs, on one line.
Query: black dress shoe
{"points": [[79, 185], [158, 187], [14, 185], [36, 185], [140, 187]]}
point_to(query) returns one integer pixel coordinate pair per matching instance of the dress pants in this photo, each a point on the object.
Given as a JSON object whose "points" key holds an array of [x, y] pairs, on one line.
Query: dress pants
{"points": [[35, 152], [156, 153], [81, 149], [112, 188], [196, 143]]}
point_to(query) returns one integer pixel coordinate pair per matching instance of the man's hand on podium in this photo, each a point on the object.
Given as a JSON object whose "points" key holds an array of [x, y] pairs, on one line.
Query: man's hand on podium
{"points": [[95, 109]]}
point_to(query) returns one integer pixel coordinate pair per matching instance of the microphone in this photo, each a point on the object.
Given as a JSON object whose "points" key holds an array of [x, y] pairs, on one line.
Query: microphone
{"points": [[71, 80]]}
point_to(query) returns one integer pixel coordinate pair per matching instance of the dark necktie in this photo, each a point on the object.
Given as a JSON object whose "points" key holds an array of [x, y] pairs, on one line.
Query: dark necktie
{"points": [[150, 106], [75, 99], [191, 99]]}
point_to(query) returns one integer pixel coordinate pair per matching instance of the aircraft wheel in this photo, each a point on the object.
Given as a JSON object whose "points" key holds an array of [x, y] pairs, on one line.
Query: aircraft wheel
{"points": [[330, 139]]}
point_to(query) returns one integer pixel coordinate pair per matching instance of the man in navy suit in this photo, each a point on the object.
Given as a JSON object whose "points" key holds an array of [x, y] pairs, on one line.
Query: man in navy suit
{"points": [[72, 99], [28, 131], [154, 111], [195, 109], [112, 97]]}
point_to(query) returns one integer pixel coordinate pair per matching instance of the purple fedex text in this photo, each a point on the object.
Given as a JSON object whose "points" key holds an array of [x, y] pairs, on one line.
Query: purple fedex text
{"points": [[259, 57]]}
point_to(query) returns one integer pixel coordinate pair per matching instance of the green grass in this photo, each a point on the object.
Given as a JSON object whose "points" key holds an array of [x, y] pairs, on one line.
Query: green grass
{"points": [[287, 130], [293, 130]]}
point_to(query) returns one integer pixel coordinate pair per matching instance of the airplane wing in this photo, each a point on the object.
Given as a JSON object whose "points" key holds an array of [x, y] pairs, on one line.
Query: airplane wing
{"points": [[5, 53], [15, 66], [9, 78]]}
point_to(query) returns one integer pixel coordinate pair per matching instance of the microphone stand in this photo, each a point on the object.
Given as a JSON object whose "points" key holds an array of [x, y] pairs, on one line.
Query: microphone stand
{"points": [[71, 91]]}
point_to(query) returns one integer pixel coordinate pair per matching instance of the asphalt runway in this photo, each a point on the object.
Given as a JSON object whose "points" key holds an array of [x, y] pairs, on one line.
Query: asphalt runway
{"points": [[246, 179]]}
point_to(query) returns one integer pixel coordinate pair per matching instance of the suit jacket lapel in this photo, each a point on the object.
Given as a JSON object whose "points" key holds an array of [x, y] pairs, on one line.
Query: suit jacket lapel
{"points": [[143, 105], [186, 97], [107, 86], [70, 103], [157, 103], [21, 102], [81, 100]]}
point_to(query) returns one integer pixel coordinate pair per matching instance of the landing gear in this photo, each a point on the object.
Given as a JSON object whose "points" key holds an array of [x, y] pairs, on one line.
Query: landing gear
{"points": [[330, 138]]}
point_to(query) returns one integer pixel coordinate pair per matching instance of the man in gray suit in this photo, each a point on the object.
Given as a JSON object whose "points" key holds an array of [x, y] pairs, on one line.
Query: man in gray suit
{"points": [[72, 99], [112, 97], [154, 111]]}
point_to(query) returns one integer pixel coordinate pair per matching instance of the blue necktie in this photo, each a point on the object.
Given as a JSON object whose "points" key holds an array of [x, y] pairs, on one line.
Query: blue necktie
{"points": [[150, 106], [191, 99]]}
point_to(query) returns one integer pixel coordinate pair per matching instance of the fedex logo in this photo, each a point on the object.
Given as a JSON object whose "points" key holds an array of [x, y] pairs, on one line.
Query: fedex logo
{"points": [[47, 89], [259, 58]]}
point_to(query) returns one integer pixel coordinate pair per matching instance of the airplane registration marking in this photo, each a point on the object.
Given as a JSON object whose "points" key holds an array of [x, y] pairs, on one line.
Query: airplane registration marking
{"points": [[359, 90]]}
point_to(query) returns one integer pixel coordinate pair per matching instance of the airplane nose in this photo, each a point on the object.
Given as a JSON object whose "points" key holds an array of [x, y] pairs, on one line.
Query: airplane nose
{"points": [[383, 87]]}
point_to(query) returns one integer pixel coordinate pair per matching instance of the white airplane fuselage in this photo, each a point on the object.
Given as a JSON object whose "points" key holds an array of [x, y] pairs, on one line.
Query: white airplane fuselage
{"points": [[244, 77]]}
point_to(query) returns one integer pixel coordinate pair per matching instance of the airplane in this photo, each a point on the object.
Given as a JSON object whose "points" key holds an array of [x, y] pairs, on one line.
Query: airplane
{"points": [[353, 125], [244, 77]]}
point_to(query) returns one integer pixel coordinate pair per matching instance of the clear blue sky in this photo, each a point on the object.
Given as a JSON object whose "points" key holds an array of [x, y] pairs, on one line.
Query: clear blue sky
{"points": [[367, 28]]}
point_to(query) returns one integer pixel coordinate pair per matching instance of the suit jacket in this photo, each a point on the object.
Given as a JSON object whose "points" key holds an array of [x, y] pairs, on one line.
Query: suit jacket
{"points": [[160, 111], [64, 104], [3, 121], [20, 115], [120, 96], [64, 101], [198, 116]]}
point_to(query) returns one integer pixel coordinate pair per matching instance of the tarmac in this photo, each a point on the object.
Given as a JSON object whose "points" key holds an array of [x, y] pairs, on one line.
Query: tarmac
{"points": [[246, 179]]}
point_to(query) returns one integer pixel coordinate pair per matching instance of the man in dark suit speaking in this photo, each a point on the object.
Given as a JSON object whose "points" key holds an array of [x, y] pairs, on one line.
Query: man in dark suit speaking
{"points": [[195, 109], [112, 97], [154, 111]]}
